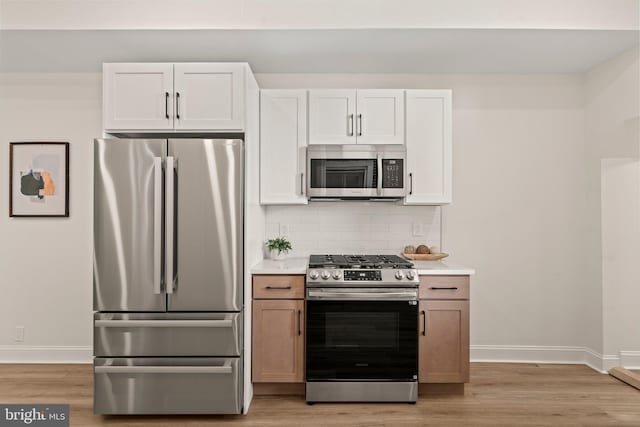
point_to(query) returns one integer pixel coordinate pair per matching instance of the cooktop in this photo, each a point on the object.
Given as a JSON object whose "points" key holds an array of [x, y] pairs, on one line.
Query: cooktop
{"points": [[358, 261]]}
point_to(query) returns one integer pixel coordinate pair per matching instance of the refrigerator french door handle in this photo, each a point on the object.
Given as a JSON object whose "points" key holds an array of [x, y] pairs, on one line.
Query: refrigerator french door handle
{"points": [[157, 225], [169, 225]]}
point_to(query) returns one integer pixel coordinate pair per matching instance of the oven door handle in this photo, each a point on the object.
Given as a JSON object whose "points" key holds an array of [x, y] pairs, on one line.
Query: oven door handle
{"points": [[321, 294]]}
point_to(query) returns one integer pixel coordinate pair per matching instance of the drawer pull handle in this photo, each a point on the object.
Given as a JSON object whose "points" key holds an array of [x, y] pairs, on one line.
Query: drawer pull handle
{"points": [[227, 323], [424, 323], [278, 287], [225, 369], [435, 288]]}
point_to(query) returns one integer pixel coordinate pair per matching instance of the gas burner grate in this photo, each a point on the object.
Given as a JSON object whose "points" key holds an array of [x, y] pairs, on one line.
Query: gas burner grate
{"points": [[358, 261]]}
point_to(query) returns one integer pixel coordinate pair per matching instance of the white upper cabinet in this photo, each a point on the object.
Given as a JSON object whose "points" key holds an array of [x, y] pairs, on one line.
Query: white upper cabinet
{"points": [[349, 116], [177, 97], [209, 96], [429, 147], [380, 116], [283, 142], [138, 96], [332, 115]]}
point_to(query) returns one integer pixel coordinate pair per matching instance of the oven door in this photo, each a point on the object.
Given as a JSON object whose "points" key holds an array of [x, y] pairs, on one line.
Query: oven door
{"points": [[362, 340]]}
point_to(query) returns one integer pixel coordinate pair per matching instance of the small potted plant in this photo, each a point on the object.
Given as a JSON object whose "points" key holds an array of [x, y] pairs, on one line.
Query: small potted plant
{"points": [[278, 248]]}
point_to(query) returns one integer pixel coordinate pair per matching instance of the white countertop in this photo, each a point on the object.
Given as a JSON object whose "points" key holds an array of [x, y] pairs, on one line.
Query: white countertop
{"points": [[298, 265], [442, 268], [286, 266]]}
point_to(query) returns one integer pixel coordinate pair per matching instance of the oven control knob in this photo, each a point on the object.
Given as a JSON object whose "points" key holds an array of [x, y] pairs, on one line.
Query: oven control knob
{"points": [[411, 275], [399, 275], [313, 274], [336, 275], [325, 274]]}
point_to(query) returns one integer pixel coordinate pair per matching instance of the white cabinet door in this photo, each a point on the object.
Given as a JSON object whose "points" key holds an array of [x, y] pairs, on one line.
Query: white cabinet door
{"points": [[429, 147], [380, 116], [283, 142], [209, 96], [137, 96], [332, 116]]}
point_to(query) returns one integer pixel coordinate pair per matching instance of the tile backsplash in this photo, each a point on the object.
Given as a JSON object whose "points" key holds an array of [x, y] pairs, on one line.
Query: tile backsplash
{"points": [[354, 227]]}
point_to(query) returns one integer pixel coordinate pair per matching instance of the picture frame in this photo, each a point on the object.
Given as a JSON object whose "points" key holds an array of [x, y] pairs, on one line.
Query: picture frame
{"points": [[39, 179]]}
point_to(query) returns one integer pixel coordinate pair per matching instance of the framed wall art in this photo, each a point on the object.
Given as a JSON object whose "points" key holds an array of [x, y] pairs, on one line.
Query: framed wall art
{"points": [[39, 179]]}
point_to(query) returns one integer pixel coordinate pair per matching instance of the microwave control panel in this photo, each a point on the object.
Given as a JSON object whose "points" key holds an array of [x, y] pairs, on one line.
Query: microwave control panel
{"points": [[392, 173]]}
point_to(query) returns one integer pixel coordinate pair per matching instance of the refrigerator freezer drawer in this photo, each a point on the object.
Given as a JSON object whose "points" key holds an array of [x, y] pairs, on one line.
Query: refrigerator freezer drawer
{"points": [[167, 334], [168, 386]]}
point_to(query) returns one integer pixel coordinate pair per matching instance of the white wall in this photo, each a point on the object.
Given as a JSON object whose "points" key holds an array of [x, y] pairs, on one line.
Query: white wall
{"points": [[620, 251], [518, 201], [192, 14], [46, 264], [612, 134]]}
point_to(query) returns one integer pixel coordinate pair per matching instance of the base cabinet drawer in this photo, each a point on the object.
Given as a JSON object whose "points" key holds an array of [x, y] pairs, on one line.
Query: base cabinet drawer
{"points": [[167, 386], [170, 334]]}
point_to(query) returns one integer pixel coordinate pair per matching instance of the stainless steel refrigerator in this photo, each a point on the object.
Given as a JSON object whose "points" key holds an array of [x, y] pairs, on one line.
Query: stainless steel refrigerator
{"points": [[168, 276]]}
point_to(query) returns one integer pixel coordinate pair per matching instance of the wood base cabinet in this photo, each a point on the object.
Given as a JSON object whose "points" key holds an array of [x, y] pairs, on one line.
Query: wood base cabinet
{"points": [[278, 330], [443, 330]]}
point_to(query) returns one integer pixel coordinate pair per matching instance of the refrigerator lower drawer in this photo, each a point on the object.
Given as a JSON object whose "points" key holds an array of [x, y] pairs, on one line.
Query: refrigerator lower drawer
{"points": [[167, 334], [167, 386]]}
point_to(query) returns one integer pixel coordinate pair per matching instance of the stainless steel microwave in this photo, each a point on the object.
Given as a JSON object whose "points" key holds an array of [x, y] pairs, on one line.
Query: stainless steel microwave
{"points": [[356, 172]]}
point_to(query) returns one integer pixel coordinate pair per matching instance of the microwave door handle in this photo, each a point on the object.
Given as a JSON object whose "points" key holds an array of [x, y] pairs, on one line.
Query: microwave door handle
{"points": [[379, 177], [169, 224]]}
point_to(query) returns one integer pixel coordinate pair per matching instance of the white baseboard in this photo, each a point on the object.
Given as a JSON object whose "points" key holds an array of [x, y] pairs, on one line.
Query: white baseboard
{"points": [[544, 354], [630, 359], [45, 354]]}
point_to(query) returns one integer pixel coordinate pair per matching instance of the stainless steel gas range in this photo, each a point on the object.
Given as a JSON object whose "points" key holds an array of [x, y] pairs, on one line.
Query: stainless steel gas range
{"points": [[362, 329]]}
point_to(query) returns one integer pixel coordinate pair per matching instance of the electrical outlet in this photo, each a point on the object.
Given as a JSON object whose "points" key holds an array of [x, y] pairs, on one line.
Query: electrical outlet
{"points": [[284, 229], [417, 229], [19, 333]]}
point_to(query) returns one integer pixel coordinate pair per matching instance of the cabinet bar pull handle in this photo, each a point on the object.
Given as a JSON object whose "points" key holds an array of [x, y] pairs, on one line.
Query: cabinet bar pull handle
{"points": [[178, 105], [359, 124], [424, 323], [299, 323], [410, 183], [166, 104], [350, 133], [278, 287], [302, 183], [435, 288]]}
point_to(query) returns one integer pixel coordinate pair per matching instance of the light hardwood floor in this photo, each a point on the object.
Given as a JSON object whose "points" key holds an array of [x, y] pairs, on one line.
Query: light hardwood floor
{"points": [[499, 394]]}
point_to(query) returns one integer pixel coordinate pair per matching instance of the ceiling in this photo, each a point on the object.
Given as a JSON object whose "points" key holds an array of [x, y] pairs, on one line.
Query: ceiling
{"points": [[319, 51]]}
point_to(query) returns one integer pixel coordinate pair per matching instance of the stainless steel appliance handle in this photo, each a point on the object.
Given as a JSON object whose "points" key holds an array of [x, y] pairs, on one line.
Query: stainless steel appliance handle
{"points": [[225, 369], [169, 230], [379, 177], [359, 124], [157, 225], [350, 130], [223, 323], [352, 294]]}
